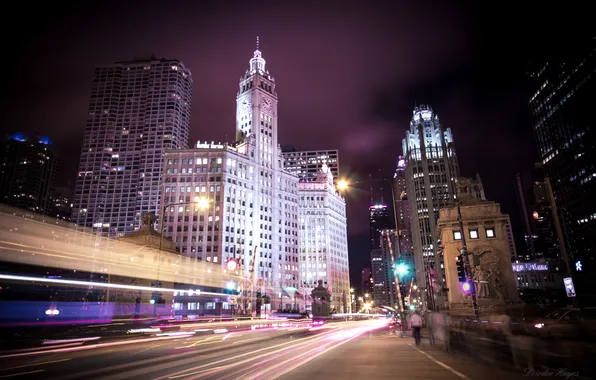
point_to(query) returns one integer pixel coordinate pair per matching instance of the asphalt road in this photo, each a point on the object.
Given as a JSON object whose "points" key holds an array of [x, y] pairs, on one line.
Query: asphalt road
{"points": [[348, 350], [258, 354]]}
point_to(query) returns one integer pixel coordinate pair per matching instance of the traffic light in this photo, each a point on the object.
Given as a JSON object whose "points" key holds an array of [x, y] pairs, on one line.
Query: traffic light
{"points": [[401, 269], [461, 269]]}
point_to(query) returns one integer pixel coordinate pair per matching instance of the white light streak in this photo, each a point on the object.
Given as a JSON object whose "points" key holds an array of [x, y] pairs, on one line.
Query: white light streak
{"points": [[95, 284]]}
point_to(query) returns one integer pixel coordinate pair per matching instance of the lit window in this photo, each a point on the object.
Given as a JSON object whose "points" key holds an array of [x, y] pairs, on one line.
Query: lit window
{"points": [[457, 235], [490, 232], [474, 234]]}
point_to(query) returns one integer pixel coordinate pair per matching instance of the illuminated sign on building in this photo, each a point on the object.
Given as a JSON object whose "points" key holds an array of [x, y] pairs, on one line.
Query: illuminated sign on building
{"points": [[529, 267], [207, 145]]}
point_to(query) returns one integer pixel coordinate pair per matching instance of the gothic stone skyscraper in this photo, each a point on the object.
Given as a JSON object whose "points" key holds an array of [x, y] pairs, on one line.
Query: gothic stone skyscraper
{"points": [[137, 110], [431, 169], [250, 202]]}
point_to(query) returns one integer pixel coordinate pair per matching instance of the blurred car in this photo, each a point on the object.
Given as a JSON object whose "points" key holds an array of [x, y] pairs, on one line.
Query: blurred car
{"points": [[569, 323]]}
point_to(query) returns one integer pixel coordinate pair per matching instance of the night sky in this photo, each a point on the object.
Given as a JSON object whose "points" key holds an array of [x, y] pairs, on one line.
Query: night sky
{"points": [[347, 77]]}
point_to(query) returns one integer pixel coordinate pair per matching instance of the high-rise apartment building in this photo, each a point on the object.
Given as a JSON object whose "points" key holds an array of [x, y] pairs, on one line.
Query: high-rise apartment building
{"points": [[561, 104], [384, 289], [324, 239], [306, 164], [379, 220], [431, 168], [236, 201], [27, 172], [137, 110]]}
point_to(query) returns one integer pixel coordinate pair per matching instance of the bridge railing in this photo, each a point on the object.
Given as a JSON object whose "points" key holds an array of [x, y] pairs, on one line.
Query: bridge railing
{"points": [[497, 341]]}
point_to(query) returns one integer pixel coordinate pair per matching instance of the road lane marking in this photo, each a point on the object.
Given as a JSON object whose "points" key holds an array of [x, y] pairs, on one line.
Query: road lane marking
{"points": [[34, 364], [247, 340], [22, 373], [454, 371], [147, 349]]}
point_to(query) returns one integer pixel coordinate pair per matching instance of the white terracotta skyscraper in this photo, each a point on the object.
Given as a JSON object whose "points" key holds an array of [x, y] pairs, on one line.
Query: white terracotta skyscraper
{"points": [[250, 202]]}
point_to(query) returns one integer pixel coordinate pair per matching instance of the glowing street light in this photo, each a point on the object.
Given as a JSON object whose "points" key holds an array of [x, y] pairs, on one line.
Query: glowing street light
{"points": [[202, 202], [342, 184]]}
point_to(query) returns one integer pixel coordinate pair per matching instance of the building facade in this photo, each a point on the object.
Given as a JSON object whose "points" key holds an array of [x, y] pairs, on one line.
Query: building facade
{"points": [[402, 208], [536, 275], [27, 172], [306, 164], [236, 201], [138, 109], [431, 167], [379, 220], [382, 260], [485, 233], [563, 91], [324, 239]]}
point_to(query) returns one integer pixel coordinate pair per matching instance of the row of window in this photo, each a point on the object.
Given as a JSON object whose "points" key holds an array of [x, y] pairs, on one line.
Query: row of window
{"points": [[489, 232]]}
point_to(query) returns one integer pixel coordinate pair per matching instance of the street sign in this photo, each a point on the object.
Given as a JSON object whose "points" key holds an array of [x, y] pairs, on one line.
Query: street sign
{"points": [[569, 288]]}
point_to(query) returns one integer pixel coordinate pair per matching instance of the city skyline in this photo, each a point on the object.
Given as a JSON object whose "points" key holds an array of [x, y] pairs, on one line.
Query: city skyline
{"points": [[380, 108]]}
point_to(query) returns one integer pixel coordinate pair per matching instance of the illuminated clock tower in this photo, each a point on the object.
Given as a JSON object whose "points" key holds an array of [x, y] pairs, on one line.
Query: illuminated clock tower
{"points": [[256, 111]]}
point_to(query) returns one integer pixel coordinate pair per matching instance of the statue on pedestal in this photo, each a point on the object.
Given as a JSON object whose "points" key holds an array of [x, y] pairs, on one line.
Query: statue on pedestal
{"points": [[481, 282], [148, 220], [496, 285], [321, 305]]}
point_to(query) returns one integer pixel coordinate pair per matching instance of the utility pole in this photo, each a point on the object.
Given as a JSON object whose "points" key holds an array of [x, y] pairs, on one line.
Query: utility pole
{"points": [[464, 253], [559, 230]]}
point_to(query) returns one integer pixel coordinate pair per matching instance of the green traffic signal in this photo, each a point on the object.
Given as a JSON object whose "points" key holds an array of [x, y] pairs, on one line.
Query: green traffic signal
{"points": [[402, 269]]}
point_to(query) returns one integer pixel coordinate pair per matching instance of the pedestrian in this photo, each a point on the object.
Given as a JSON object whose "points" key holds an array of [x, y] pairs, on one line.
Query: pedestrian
{"points": [[416, 323]]}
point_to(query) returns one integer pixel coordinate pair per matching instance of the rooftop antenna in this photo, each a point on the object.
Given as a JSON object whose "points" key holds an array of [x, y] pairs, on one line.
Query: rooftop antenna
{"points": [[257, 42], [381, 180], [372, 203]]}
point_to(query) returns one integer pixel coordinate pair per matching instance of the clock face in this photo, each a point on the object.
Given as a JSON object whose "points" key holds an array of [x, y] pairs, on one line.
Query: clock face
{"points": [[267, 104], [245, 104]]}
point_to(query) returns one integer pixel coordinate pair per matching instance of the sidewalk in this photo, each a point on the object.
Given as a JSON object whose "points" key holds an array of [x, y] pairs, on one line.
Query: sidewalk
{"points": [[383, 355]]}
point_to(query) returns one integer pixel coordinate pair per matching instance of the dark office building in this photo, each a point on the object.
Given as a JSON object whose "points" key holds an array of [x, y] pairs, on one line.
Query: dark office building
{"points": [[540, 235], [379, 220], [563, 86], [27, 172]]}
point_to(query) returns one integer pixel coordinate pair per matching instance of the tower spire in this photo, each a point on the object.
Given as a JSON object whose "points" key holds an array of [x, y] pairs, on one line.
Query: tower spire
{"points": [[257, 63]]}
